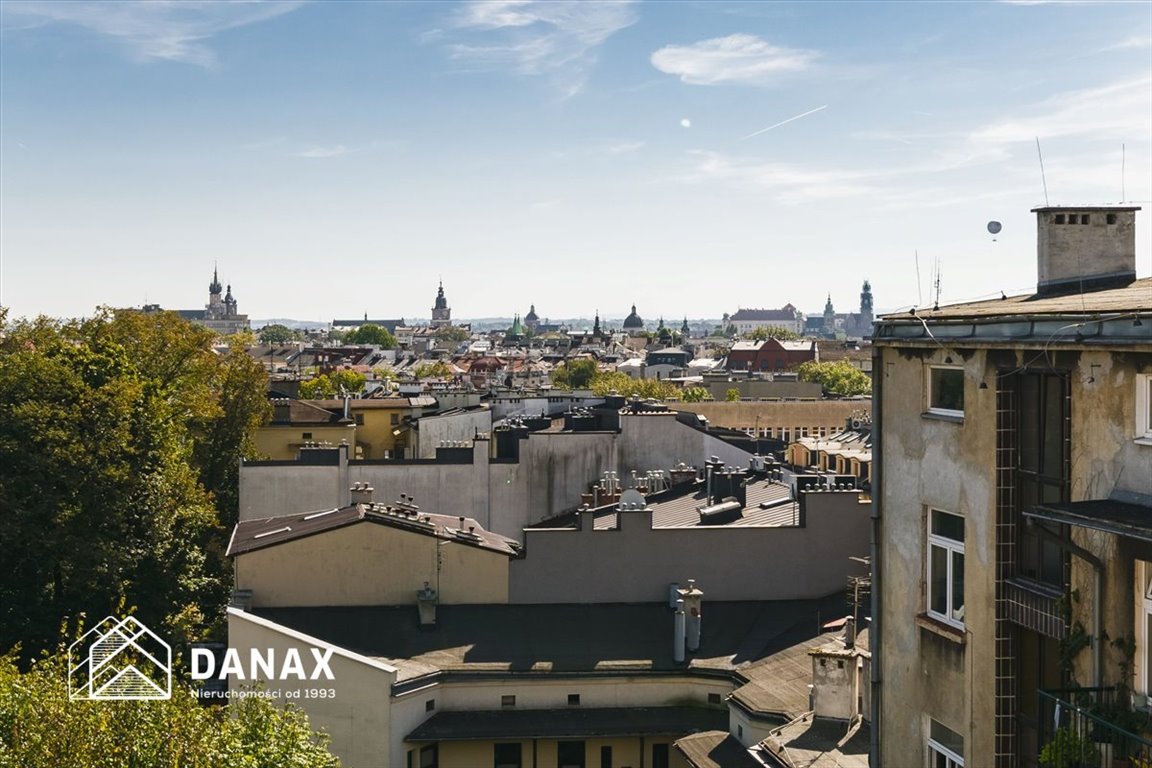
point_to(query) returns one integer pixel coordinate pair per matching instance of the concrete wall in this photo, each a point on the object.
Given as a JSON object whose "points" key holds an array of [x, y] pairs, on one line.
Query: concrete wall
{"points": [[658, 441], [551, 473], [282, 441], [755, 388], [358, 717], [637, 563], [950, 466], [434, 430], [371, 564], [626, 752]]}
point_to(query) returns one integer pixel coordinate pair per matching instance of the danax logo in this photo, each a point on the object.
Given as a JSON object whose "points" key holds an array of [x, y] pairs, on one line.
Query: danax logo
{"points": [[119, 660], [264, 664]]}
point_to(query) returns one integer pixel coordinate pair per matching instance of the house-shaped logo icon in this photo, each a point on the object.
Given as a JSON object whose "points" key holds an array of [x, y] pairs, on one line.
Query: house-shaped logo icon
{"points": [[119, 659]]}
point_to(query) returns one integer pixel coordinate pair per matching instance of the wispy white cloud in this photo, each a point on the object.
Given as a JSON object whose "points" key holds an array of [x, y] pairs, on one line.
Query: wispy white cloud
{"points": [[1119, 110], [324, 152], [169, 30], [624, 147], [557, 38], [1129, 43], [737, 58]]}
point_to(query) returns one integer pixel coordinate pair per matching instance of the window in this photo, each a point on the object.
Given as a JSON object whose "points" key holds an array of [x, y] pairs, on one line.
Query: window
{"points": [[508, 700], [946, 391], [660, 755], [573, 699], [605, 757], [945, 747], [430, 756], [570, 754], [1111, 218], [946, 567], [1144, 406], [507, 755], [306, 436], [713, 698], [395, 419], [430, 705], [1084, 218], [1059, 218], [1043, 451], [1144, 630], [358, 418]]}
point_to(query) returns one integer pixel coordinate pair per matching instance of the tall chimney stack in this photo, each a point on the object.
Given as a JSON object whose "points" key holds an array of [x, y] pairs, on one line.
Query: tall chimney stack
{"points": [[1084, 248]]}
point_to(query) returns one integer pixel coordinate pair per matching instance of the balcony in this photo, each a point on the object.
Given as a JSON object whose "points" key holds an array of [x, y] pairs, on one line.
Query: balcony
{"points": [[1093, 728]]}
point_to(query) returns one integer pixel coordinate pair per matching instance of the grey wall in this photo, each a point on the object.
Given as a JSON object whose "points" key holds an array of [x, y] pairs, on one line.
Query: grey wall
{"points": [[552, 472], [637, 563], [456, 426]]}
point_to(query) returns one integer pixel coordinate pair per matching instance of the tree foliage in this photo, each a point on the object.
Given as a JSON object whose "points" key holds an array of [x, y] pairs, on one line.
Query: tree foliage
{"points": [[436, 370], [575, 374], [278, 334], [333, 384], [695, 395], [370, 333], [451, 333], [763, 333], [40, 726], [837, 378], [626, 386], [120, 438], [732, 395]]}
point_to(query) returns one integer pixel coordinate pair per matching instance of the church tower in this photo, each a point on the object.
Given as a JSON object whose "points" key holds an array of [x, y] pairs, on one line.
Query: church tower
{"points": [[441, 312], [829, 316], [866, 318], [215, 299]]}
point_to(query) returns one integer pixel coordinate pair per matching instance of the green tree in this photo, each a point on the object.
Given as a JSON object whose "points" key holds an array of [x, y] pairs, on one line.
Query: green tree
{"points": [[837, 378], [436, 370], [115, 436], [625, 386], [333, 384], [575, 374], [732, 395], [695, 395], [40, 726], [451, 333], [278, 334], [764, 333], [370, 333]]}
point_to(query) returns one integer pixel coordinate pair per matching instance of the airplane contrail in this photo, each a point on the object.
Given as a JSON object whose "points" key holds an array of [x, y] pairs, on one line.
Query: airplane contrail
{"points": [[784, 122]]}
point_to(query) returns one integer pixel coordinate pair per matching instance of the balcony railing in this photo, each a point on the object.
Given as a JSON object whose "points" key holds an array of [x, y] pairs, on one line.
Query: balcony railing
{"points": [[1092, 728]]}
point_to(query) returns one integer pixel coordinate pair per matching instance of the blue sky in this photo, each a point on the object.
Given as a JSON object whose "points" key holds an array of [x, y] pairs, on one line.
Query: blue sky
{"points": [[337, 158]]}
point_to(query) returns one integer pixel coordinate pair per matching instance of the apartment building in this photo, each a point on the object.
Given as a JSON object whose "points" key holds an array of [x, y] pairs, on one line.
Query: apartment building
{"points": [[1012, 494]]}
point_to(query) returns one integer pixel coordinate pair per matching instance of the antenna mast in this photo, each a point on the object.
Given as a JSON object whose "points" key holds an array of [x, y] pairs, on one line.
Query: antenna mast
{"points": [[1043, 178], [936, 303]]}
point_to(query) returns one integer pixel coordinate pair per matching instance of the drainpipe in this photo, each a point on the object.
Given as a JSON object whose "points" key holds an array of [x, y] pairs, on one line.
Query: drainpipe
{"points": [[876, 635], [1097, 593]]}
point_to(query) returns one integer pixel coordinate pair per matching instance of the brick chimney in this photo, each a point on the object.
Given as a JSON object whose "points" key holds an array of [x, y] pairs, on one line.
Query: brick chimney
{"points": [[1084, 248]]}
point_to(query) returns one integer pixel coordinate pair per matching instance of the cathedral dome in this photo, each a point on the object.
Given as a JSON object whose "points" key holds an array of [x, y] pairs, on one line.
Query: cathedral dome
{"points": [[633, 321]]}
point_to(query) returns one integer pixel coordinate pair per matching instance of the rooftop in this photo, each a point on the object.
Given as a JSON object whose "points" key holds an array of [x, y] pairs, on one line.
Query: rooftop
{"points": [[715, 749], [769, 505], [1132, 298], [251, 535], [568, 638], [809, 742]]}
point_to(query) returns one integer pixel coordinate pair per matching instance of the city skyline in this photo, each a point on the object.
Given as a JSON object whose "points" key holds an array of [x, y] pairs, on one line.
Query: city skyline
{"points": [[334, 160]]}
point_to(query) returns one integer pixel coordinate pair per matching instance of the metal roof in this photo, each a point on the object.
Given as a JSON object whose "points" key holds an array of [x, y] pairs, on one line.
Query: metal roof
{"points": [[1133, 521], [570, 723], [251, 535]]}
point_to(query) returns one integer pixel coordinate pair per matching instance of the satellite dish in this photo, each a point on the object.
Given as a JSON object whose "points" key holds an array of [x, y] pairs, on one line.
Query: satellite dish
{"points": [[994, 227]]}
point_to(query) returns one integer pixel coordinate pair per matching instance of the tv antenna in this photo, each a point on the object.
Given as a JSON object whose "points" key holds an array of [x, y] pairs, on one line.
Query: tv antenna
{"points": [[1043, 178], [936, 287]]}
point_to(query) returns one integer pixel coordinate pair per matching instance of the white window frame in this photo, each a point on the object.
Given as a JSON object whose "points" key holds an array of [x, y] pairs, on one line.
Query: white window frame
{"points": [[928, 390], [952, 759], [1144, 408], [951, 547]]}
